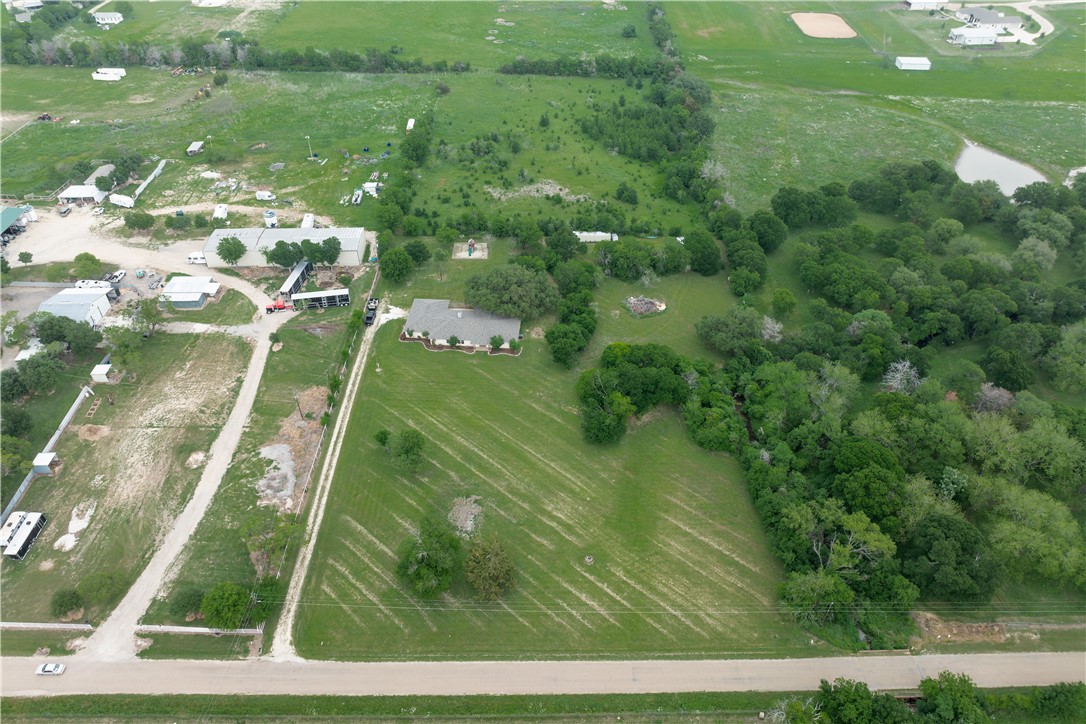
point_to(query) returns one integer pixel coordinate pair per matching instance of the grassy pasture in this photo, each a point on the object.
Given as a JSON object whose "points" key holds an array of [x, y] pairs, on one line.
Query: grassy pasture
{"points": [[681, 567], [108, 461], [759, 43], [458, 30]]}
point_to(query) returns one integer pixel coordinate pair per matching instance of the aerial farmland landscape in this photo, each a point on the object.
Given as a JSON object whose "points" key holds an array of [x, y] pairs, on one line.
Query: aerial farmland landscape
{"points": [[714, 361]]}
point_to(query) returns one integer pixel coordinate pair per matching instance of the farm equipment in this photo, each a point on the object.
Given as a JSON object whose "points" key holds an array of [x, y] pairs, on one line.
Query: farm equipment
{"points": [[279, 305]]}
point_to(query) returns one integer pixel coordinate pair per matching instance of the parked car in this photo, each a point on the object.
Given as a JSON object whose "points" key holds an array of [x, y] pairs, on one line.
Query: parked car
{"points": [[371, 315], [65, 210], [117, 276], [373, 303], [50, 670], [98, 210]]}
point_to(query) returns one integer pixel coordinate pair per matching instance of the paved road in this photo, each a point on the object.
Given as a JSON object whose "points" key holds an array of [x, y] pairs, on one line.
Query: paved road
{"points": [[527, 677]]}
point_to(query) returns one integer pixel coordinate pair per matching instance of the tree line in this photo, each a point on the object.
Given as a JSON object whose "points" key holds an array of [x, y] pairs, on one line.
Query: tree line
{"points": [[31, 44]]}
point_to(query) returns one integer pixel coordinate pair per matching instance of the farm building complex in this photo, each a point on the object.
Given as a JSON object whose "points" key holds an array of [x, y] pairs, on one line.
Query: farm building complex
{"points": [[352, 240], [88, 305], [436, 320]]}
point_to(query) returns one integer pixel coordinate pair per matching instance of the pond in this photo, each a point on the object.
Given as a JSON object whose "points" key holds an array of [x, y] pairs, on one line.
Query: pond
{"points": [[977, 163]]}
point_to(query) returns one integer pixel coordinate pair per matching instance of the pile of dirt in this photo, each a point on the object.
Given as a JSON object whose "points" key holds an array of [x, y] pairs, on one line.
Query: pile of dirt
{"points": [[90, 433], [536, 333], [43, 651], [292, 451], [644, 305], [937, 630], [463, 514], [277, 485], [195, 460], [460, 251]]}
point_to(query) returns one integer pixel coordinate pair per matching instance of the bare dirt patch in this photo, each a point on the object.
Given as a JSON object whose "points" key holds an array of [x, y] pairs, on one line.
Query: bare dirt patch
{"points": [[292, 451], [277, 346], [90, 433], [77, 643], [43, 651], [937, 630], [536, 333], [823, 25], [321, 330], [706, 32], [536, 190], [463, 514], [46, 565], [460, 251], [73, 615], [143, 643]]}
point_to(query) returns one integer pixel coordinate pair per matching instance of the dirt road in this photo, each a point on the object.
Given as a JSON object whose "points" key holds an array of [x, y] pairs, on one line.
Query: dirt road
{"points": [[262, 676]]}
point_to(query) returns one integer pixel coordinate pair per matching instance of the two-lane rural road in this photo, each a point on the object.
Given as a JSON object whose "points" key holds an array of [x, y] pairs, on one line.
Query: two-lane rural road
{"points": [[261, 676]]}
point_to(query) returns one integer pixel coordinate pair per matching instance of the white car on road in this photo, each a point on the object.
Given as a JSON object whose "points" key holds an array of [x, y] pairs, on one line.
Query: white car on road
{"points": [[50, 670]]}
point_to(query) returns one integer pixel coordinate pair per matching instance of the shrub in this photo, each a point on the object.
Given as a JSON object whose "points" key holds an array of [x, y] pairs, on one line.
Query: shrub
{"points": [[489, 569], [139, 220], [63, 601], [101, 588], [224, 606], [186, 601], [497, 341]]}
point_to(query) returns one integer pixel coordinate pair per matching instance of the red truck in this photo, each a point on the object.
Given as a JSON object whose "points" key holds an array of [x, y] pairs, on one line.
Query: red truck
{"points": [[279, 305]]}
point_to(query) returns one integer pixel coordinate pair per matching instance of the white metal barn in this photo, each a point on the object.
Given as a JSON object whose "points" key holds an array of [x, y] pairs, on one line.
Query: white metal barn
{"points": [[83, 305], [973, 36], [912, 63], [352, 241], [81, 192], [926, 4]]}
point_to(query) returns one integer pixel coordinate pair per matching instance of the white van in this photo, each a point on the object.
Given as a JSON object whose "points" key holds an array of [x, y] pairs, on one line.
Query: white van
{"points": [[197, 257]]}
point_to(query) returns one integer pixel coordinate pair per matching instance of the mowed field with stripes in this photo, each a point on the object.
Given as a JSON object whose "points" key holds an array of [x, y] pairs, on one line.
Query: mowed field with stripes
{"points": [[680, 566]]}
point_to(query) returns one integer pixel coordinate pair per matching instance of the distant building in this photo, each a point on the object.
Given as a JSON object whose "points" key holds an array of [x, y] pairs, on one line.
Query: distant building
{"points": [[108, 18], [352, 243], [926, 4], [594, 236], [472, 327], [969, 35], [189, 292], [912, 63], [88, 305]]}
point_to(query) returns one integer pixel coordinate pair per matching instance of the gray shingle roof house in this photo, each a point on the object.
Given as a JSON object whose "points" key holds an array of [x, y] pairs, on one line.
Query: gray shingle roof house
{"points": [[470, 326]]}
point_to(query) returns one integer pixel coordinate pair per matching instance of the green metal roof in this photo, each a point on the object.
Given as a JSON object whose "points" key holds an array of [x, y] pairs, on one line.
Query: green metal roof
{"points": [[10, 214]]}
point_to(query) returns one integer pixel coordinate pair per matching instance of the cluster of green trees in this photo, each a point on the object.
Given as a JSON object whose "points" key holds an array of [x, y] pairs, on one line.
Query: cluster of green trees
{"points": [[34, 44], [431, 560], [576, 280], [944, 488], [598, 66], [65, 340], [96, 589], [521, 290], [948, 697], [286, 254], [227, 605]]}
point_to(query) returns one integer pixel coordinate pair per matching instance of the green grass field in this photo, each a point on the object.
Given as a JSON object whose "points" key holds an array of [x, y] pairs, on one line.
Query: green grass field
{"points": [[681, 567], [460, 30], [195, 646]]}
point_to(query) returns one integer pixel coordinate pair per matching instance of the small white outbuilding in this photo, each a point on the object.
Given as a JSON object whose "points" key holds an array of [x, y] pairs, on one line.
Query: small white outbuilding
{"points": [[912, 63]]}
